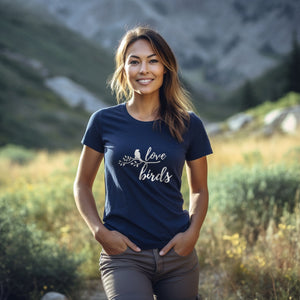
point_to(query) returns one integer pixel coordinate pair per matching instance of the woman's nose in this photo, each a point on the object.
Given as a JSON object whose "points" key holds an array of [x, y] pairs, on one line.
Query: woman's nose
{"points": [[143, 68]]}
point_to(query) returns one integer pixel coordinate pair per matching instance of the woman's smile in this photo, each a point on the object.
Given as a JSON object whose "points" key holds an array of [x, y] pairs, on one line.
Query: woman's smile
{"points": [[144, 81], [144, 69]]}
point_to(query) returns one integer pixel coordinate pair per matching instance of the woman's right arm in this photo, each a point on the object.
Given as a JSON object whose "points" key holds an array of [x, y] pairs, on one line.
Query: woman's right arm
{"points": [[112, 242], [89, 163]]}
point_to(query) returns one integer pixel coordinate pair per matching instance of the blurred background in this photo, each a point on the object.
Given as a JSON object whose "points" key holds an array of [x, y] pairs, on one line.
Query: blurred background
{"points": [[56, 57], [239, 59]]}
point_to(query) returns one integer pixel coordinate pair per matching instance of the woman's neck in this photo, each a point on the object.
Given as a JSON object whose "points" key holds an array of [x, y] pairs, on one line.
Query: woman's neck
{"points": [[144, 108]]}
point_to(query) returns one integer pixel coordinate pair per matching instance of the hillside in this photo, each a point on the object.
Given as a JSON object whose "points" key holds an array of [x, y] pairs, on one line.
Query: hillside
{"points": [[34, 48], [219, 44]]}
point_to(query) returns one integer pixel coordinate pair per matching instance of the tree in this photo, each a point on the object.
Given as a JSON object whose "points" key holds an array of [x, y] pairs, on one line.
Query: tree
{"points": [[249, 98], [293, 68]]}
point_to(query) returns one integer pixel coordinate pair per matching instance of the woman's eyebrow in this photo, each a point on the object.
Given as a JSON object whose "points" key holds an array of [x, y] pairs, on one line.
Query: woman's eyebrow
{"points": [[135, 56]]}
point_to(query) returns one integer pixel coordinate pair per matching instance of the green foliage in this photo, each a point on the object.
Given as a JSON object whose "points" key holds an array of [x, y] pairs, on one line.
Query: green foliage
{"points": [[249, 99], [294, 154], [252, 158], [39, 219], [30, 263], [17, 154], [249, 198], [262, 283], [288, 100]]}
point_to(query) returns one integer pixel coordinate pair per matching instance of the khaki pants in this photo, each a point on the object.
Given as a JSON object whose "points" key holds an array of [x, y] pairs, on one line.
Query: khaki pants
{"points": [[146, 275]]}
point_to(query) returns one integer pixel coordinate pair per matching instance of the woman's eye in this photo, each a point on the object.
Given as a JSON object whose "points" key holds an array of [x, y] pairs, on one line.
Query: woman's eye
{"points": [[153, 61], [133, 62]]}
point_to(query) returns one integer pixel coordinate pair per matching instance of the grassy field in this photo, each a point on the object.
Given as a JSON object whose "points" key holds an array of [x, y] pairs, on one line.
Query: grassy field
{"points": [[38, 188]]}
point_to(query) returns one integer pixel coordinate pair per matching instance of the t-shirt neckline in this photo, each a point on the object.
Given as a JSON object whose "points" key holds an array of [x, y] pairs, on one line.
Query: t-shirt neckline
{"points": [[134, 119]]}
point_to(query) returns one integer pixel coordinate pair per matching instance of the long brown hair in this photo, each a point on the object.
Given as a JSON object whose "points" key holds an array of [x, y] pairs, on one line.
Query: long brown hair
{"points": [[174, 99]]}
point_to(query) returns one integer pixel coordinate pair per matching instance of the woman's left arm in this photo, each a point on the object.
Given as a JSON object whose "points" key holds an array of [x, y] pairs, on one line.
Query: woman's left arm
{"points": [[184, 242]]}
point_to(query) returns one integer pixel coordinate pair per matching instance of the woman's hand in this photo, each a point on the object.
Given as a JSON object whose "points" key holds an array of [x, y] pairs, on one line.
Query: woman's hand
{"points": [[183, 243], [114, 242]]}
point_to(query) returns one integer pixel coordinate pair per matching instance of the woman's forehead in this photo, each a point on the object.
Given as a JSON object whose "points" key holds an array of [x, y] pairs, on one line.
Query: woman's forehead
{"points": [[139, 48]]}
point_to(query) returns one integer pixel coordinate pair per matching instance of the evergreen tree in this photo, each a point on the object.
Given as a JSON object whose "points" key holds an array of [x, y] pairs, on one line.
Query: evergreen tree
{"points": [[249, 98], [293, 68]]}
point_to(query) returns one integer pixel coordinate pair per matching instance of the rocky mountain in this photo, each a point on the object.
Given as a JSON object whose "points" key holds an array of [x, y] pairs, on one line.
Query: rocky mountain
{"points": [[51, 79], [219, 44]]}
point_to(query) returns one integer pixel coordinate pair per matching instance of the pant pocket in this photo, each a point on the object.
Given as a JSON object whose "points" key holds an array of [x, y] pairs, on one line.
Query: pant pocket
{"points": [[176, 254], [107, 260], [123, 252]]}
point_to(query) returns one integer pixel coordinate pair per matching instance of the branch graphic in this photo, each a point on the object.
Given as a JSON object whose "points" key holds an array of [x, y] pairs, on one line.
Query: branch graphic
{"points": [[135, 161]]}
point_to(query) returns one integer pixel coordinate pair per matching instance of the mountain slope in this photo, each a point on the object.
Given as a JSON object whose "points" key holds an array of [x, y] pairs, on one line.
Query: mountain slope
{"points": [[219, 44], [32, 49]]}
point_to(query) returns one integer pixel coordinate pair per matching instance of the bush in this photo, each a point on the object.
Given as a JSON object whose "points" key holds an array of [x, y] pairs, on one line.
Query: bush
{"points": [[249, 198], [17, 154], [30, 264]]}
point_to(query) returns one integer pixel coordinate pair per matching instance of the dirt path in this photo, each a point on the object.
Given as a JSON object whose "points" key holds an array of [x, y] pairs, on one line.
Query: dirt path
{"points": [[94, 291], [95, 295]]}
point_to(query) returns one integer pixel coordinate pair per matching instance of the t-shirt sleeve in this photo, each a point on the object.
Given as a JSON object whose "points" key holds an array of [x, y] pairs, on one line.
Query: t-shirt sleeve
{"points": [[92, 136], [199, 144]]}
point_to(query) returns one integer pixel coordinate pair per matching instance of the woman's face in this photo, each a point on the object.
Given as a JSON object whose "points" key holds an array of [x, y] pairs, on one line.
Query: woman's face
{"points": [[144, 69]]}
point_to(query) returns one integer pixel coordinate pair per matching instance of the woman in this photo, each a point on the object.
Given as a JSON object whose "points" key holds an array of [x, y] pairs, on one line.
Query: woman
{"points": [[147, 238]]}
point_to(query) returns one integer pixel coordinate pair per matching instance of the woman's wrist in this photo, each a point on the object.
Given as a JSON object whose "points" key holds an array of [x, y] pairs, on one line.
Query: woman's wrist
{"points": [[100, 232], [193, 232]]}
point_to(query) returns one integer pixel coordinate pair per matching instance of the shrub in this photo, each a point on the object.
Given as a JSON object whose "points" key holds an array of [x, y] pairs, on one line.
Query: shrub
{"points": [[249, 198], [30, 263], [17, 154]]}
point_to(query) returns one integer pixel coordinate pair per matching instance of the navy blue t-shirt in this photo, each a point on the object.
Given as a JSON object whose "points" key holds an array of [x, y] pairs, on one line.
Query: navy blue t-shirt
{"points": [[143, 168]]}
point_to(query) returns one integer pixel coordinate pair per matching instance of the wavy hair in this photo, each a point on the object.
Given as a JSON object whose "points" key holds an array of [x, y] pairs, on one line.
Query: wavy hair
{"points": [[174, 99]]}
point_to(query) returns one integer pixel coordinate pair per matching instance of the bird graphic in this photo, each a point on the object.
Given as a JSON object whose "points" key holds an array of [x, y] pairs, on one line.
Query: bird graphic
{"points": [[137, 154], [137, 160]]}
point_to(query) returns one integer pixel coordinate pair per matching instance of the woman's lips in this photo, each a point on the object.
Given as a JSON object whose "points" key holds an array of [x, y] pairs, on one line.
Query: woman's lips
{"points": [[144, 81]]}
